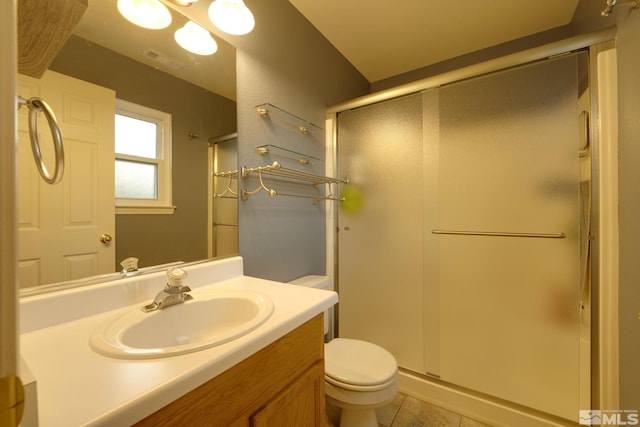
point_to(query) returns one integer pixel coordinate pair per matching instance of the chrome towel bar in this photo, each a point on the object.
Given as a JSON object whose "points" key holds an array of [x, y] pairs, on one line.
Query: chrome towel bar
{"points": [[501, 234], [277, 170]]}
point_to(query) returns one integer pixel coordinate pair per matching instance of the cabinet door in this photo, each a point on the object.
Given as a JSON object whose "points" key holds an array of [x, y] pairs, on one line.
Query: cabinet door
{"points": [[301, 404]]}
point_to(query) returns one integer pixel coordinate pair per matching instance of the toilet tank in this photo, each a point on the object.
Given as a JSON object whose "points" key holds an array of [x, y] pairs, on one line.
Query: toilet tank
{"points": [[318, 282]]}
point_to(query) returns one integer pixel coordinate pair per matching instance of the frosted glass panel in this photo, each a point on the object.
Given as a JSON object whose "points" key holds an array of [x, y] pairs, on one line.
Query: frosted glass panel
{"points": [[136, 180], [508, 162], [380, 238], [497, 154], [225, 208]]}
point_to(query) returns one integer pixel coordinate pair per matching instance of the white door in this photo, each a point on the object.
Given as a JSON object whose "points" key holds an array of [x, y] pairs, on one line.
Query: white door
{"points": [[60, 226]]}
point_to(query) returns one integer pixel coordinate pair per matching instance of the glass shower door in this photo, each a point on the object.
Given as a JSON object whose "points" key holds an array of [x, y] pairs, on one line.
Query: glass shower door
{"points": [[380, 237], [502, 234]]}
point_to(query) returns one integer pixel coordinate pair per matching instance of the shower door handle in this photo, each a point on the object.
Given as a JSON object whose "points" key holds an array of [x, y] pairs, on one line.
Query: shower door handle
{"points": [[585, 140], [501, 234]]}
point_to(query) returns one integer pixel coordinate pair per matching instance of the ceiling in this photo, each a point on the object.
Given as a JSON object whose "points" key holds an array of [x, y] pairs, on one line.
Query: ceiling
{"points": [[381, 39], [386, 38]]}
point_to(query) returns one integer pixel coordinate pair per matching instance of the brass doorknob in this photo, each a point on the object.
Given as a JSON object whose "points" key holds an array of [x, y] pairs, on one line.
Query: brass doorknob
{"points": [[106, 238]]}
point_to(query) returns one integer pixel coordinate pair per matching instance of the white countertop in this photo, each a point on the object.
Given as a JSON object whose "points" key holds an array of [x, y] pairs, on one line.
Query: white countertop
{"points": [[77, 386]]}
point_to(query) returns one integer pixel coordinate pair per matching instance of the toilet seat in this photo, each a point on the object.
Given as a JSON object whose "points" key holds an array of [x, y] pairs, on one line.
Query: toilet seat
{"points": [[359, 365]]}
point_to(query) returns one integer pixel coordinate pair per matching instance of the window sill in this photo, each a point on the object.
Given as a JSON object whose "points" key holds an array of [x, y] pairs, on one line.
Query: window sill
{"points": [[145, 210]]}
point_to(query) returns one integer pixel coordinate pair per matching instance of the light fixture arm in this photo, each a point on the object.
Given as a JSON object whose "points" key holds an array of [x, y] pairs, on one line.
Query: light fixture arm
{"points": [[182, 3]]}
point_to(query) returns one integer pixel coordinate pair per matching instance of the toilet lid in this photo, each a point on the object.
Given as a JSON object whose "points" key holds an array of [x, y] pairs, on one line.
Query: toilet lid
{"points": [[358, 363]]}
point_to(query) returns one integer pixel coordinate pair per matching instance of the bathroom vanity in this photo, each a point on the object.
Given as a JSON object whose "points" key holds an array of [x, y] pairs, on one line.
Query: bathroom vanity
{"points": [[282, 385], [272, 374]]}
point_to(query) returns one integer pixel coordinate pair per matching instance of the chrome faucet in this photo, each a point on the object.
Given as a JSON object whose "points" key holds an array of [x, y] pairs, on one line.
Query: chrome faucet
{"points": [[173, 293]]}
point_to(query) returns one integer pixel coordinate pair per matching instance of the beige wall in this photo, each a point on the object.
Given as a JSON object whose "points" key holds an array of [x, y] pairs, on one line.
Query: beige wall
{"points": [[629, 204]]}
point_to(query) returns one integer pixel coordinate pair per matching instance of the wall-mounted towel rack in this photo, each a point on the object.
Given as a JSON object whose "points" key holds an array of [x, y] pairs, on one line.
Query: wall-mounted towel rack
{"points": [[277, 170], [37, 106], [230, 175], [501, 234]]}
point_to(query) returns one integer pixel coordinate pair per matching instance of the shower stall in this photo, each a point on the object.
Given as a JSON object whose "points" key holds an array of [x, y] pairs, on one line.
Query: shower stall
{"points": [[464, 243], [223, 196]]}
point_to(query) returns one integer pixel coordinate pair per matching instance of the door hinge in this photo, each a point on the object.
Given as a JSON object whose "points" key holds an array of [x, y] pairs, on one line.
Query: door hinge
{"points": [[11, 401]]}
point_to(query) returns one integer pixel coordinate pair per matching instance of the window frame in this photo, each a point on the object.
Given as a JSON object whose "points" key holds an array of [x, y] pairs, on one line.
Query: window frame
{"points": [[163, 204]]}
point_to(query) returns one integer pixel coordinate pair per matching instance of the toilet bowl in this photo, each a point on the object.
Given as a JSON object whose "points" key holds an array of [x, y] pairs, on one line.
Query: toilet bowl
{"points": [[359, 376]]}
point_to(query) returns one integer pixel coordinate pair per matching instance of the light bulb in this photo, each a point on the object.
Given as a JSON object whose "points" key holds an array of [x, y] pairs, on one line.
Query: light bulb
{"points": [[150, 14], [231, 16], [196, 39]]}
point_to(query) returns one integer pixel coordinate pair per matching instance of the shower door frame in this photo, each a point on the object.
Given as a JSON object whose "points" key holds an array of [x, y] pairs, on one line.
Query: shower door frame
{"points": [[604, 329], [10, 383]]}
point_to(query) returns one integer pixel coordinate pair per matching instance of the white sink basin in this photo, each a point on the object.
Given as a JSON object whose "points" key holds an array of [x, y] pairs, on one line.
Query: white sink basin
{"points": [[211, 318]]}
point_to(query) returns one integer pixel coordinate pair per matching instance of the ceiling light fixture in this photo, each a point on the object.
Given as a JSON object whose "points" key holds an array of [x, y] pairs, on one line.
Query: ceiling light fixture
{"points": [[231, 16], [196, 39], [151, 14]]}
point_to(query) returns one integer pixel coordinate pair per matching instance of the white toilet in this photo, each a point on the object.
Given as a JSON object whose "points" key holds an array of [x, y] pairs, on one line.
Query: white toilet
{"points": [[359, 376]]}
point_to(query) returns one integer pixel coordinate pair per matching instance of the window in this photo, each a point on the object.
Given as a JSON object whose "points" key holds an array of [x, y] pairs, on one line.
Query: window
{"points": [[143, 159]]}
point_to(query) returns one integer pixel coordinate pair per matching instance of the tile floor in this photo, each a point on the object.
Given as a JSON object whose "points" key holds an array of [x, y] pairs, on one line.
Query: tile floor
{"points": [[407, 411]]}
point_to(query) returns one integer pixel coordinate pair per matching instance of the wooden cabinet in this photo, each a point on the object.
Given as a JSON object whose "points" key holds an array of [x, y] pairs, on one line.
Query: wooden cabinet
{"points": [[296, 404], [281, 385]]}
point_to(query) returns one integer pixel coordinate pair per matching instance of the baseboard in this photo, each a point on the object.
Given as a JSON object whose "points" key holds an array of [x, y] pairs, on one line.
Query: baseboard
{"points": [[479, 408]]}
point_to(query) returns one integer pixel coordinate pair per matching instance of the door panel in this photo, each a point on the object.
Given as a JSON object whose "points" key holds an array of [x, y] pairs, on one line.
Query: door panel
{"points": [[510, 305], [60, 225], [300, 404], [380, 238]]}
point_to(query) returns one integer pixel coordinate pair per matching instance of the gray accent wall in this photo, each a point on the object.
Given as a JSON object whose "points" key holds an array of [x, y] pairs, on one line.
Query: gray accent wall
{"points": [[158, 239], [285, 61]]}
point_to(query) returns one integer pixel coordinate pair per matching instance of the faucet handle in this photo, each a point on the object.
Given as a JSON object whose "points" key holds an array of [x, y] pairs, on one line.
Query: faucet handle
{"points": [[129, 265], [176, 276]]}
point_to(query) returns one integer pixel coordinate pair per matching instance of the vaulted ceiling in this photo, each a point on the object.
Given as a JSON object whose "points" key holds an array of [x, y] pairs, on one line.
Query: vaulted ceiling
{"points": [[386, 38], [379, 38]]}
